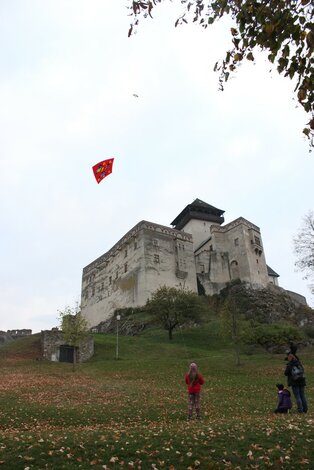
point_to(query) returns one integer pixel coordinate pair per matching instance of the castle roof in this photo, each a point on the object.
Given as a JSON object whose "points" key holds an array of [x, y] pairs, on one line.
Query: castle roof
{"points": [[271, 272], [198, 210]]}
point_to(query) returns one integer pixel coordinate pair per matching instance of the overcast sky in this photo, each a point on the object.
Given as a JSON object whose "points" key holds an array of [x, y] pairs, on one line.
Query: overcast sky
{"points": [[68, 73]]}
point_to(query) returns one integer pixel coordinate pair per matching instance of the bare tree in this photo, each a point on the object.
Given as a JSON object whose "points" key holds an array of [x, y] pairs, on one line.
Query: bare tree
{"points": [[304, 247]]}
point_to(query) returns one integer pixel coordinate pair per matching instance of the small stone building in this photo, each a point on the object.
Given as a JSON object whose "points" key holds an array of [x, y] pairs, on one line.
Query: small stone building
{"points": [[55, 349], [198, 253]]}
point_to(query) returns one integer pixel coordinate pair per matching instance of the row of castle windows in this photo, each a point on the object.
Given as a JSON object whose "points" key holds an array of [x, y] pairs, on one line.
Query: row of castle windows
{"points": [[126, 249], [102, 286], [256, 241], [181, 263], [180, 246], [92, 276]]}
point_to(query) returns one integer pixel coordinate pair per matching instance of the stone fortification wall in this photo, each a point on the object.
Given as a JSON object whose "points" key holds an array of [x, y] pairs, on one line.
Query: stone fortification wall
{"points": [[242, 241], [297, 298], [5, 337], [199, 229], [10, 335], [203, 256], [19, 333], [148, 256], [234, 251]]}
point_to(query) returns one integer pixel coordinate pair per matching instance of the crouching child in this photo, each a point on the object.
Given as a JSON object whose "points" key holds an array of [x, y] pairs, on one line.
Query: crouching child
{"points": [[284, 400]]}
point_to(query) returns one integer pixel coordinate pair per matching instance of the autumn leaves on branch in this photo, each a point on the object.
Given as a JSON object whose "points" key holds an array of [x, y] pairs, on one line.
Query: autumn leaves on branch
{"points": [[282, 28]]}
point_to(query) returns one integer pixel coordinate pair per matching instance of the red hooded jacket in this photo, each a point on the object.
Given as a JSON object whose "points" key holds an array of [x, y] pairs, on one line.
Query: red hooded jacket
{"points": [[196, 386]]}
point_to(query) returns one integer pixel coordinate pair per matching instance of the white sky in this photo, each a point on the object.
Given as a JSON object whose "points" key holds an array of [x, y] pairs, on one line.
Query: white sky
{"points": [[68, 73]]}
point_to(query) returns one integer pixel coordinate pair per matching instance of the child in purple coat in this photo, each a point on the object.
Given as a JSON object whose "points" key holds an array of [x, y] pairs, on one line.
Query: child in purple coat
{"points": [[284, 400]]}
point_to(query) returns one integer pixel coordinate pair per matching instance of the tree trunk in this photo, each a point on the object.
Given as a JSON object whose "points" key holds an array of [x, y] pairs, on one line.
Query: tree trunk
{"points": [[170, 332], [74, 358], [237, 353]]}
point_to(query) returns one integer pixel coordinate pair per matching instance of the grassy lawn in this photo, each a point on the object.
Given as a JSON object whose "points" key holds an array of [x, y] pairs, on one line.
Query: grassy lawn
{"points": [[131, 413]]}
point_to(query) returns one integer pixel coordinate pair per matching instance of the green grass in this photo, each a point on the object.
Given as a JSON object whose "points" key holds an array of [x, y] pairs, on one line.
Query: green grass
{"points": [[131, 412]]}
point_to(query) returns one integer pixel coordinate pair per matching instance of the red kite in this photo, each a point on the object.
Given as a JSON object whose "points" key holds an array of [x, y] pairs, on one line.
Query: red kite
{"points": [[103, 169]]}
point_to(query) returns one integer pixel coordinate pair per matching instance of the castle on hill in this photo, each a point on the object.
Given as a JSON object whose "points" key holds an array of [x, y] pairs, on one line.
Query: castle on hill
{"points": [[198, 253]]}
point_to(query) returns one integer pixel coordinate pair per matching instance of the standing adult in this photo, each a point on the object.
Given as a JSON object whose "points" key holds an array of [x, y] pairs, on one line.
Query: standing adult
{"points": [[296, 381]]}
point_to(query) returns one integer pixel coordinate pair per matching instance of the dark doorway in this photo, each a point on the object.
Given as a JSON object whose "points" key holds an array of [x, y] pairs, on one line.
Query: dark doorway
{"points": [[66, 353]]}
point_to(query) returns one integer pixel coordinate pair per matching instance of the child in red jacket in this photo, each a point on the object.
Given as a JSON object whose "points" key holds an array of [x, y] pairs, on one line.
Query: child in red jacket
{"points": [[194, 380]]}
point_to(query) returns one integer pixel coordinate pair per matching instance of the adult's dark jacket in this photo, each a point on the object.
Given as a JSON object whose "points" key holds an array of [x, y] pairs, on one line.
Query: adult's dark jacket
{"points": [[300, 382]]}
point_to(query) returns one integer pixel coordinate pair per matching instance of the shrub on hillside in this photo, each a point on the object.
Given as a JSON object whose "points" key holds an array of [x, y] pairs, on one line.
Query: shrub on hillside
{"points": [[309, 331], [272, 335], [130, 311]]}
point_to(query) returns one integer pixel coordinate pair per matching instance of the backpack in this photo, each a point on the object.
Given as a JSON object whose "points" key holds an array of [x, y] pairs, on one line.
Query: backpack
{"points": [[297, 371]]}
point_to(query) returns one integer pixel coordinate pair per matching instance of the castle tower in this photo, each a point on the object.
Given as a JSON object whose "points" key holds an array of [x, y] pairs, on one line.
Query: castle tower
{"points": [[196, 219]]}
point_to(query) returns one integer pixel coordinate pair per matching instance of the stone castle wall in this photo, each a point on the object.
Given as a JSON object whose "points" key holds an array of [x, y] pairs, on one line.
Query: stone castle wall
{"points": [[149, 257]]}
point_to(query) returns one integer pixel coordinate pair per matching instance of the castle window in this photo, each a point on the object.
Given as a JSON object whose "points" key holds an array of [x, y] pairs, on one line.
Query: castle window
{"points": [[110, 280], [156, 258], [135, 245], [102, 286], [257, 240], [257, 261], [93, 291], [234, 270], [202, 268], [210, 247], [117, 274], [125, 253], [125, 267], [236, 242], [155, 242]]}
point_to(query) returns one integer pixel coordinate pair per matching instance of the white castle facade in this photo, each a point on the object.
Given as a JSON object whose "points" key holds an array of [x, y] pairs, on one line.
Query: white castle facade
{"points": [[198, 253]]}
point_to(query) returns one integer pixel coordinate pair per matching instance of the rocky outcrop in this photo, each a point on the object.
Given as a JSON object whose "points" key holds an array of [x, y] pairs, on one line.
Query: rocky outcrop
{"points": [[127, 327], [268, 305]]}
